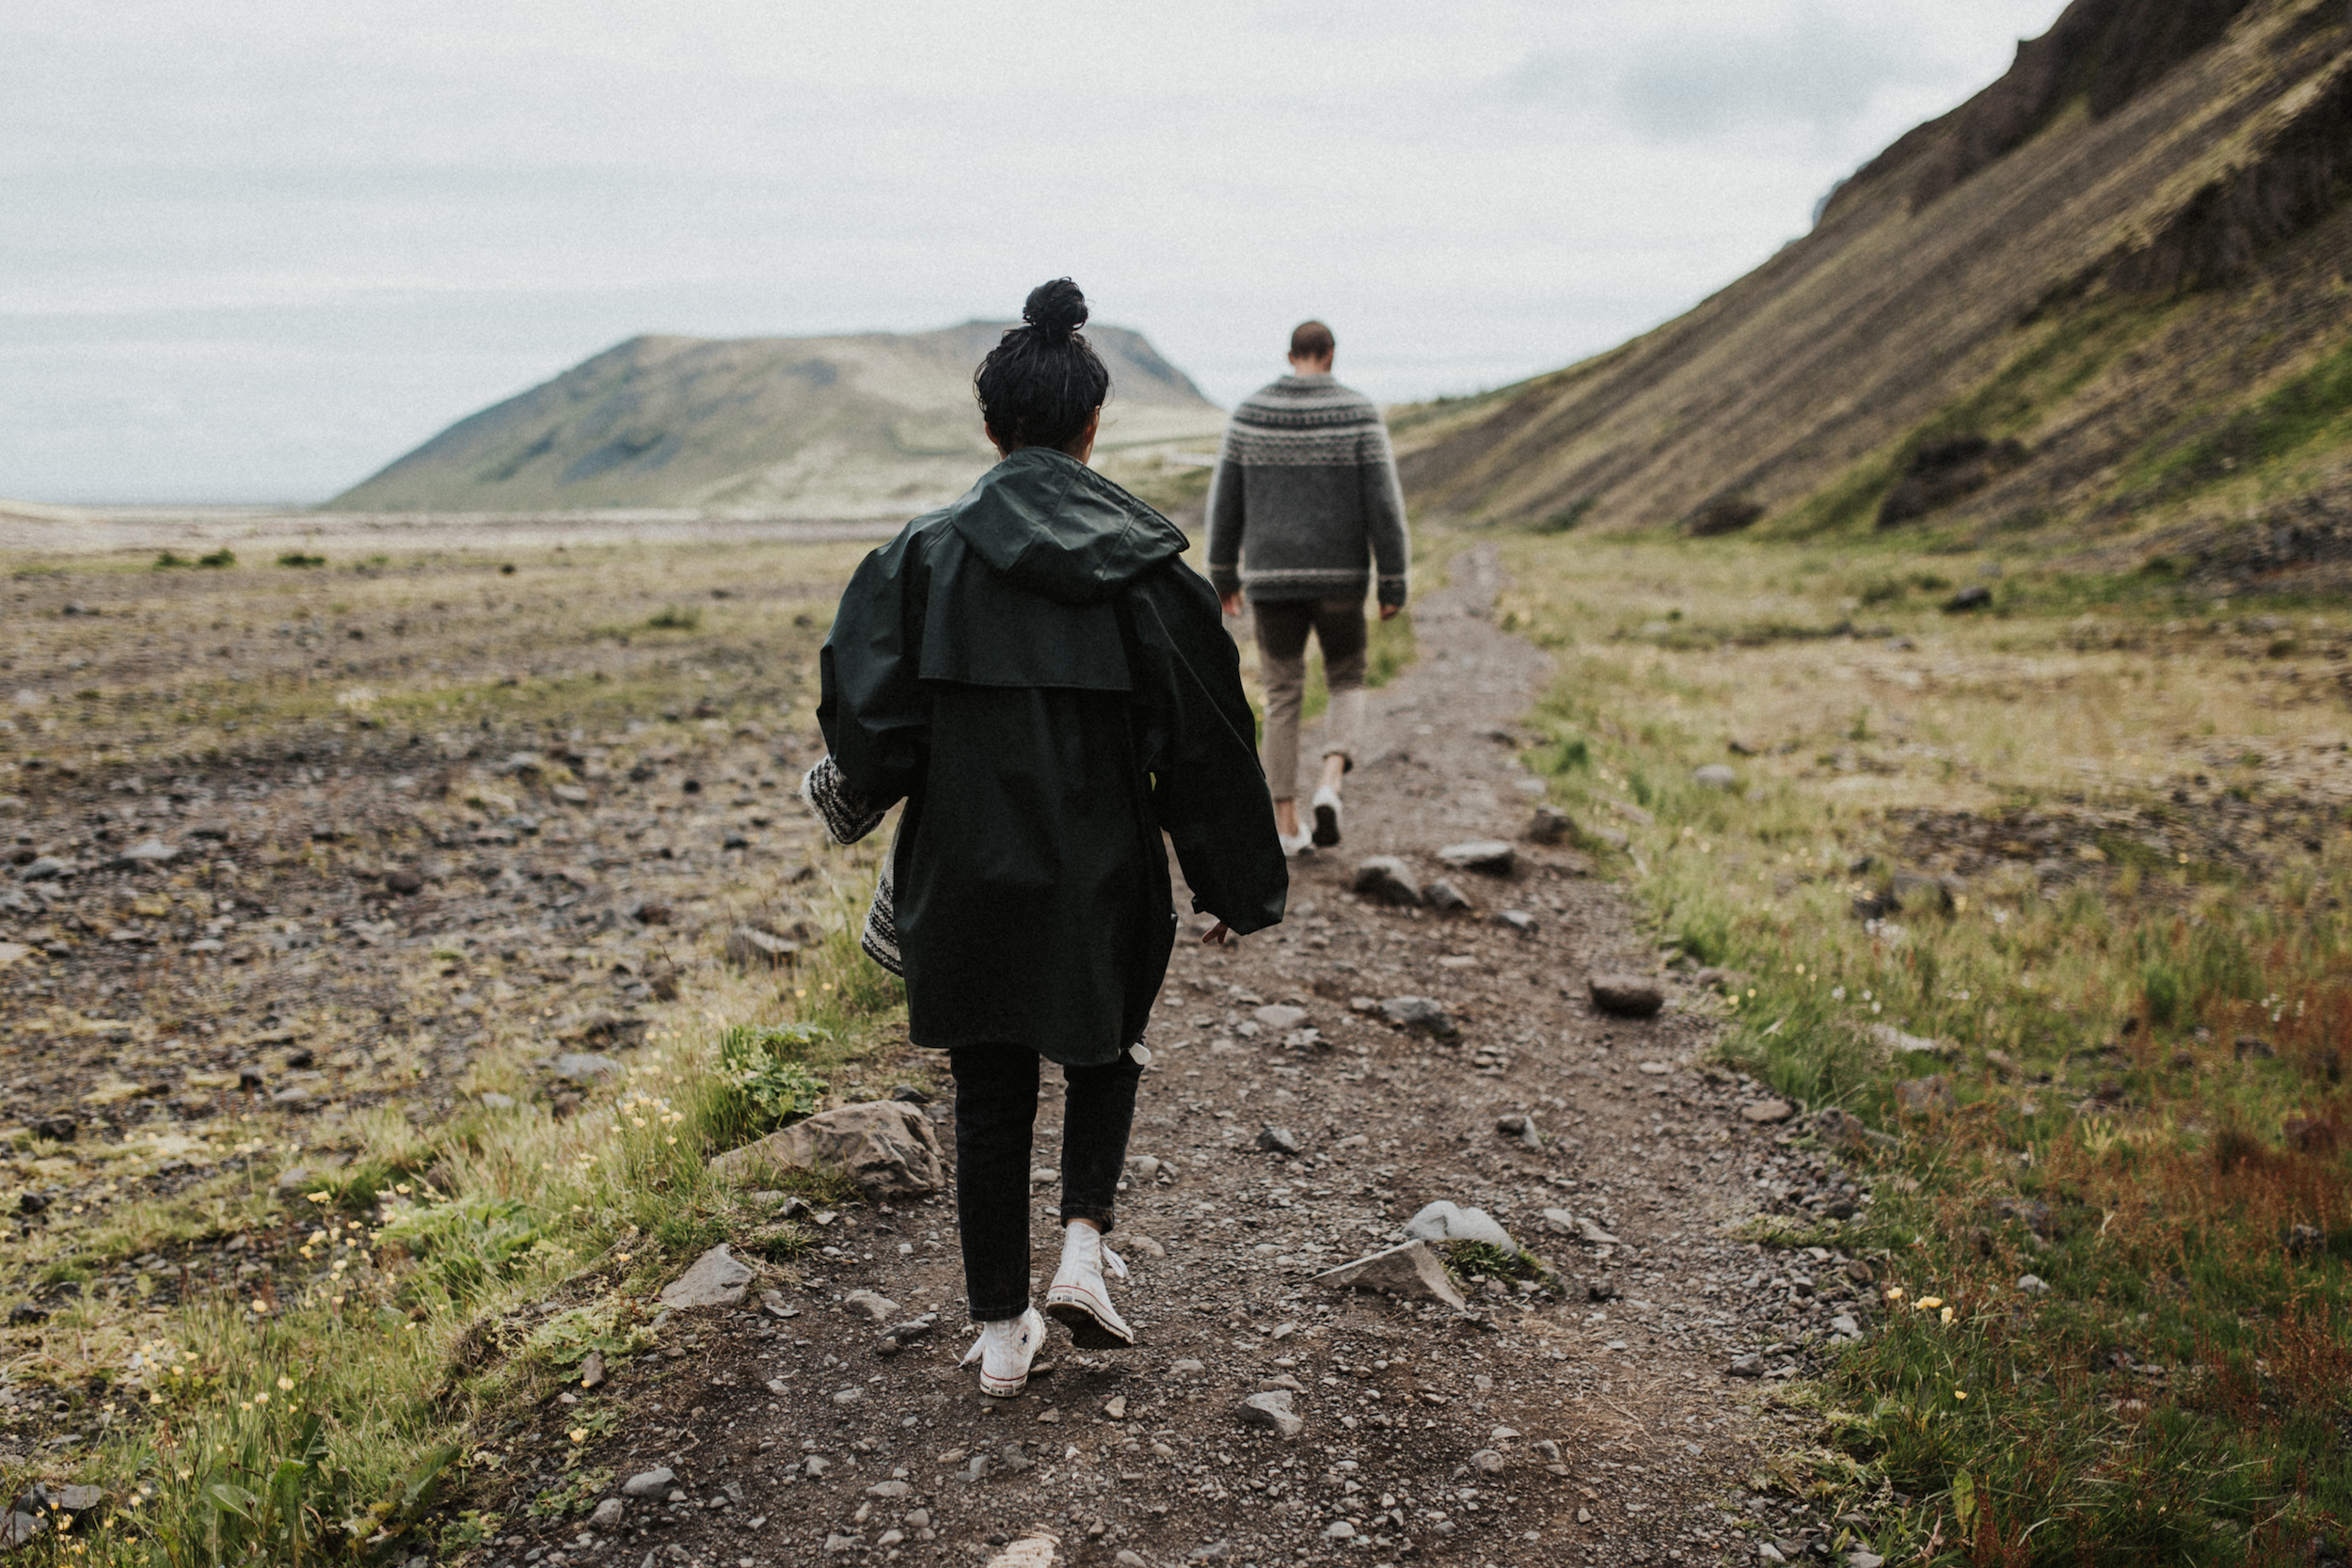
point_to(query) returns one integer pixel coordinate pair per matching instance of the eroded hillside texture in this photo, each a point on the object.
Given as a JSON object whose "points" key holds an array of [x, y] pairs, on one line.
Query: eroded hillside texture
{"points": [[2109, 292]]}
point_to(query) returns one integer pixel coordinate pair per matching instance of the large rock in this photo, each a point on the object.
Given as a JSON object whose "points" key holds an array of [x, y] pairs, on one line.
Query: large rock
{"points": [[1491, 855], [1628, 995], [1385, 879], [716, 1280], [885, 1146], [1444, 1221], [1411, 1271], [1274, 1412]]}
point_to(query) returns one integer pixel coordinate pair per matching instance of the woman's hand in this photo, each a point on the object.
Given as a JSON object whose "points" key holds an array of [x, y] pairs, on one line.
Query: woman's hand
{"points": [[1217, 935]]}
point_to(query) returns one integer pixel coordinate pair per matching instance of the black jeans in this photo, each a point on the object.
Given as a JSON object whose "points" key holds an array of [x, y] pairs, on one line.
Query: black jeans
{"points": [[996, 1088]]}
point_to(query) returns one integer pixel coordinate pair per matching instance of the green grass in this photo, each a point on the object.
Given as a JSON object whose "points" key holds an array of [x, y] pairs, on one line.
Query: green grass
{"points": [[2306, 410], [2093, 1033]]}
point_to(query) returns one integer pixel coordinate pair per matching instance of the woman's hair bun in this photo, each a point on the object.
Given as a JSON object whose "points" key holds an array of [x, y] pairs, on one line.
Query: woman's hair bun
{"points": [[1055, 309]]}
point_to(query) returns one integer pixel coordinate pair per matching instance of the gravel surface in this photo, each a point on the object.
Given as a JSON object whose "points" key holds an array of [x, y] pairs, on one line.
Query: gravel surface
{"points": [[1611, 1411]]}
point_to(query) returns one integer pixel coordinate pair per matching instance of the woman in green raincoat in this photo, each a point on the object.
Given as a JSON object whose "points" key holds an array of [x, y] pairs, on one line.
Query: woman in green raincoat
{"points": [[1049, 689]]}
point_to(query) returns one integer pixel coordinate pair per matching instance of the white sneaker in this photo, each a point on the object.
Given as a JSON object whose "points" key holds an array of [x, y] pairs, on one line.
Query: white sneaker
{"points": [[1327, 809], [1005, 1351], [1079, 1300], [1295, 844]]}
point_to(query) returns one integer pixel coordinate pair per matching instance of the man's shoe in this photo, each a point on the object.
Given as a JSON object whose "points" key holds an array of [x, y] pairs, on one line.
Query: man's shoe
{"points": [[1295, 844], [1079, 1300], [1326, 807], [1005, 1351]]}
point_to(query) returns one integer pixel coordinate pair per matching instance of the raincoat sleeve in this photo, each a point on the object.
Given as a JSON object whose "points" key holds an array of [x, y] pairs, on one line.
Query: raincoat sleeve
{"points": [[1198, 739], [876, 720]]}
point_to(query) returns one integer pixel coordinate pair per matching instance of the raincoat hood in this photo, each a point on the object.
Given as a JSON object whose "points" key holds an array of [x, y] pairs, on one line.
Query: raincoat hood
{"points": [[1056, 529]]}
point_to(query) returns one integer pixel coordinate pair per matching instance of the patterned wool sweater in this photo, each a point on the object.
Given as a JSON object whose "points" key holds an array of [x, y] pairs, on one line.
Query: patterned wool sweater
{"points": [[1306, 498]]}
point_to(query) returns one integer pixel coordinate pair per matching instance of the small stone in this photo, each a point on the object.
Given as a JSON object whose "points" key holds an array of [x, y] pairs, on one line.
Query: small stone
{"points": [[1589, 1232], [1766, 1113], [2033, 1285], [1116, 1408], [1560, 1222], [1974, 596], [1583, 1516], [584, 1067], [879, 1307], [1385, 879], [1338, 1529], [1493, 856], [1273, 1411], [404, 882], [1422, 1014], [45, 868], [749, 947], [1130, 1560], [1411, 1271], [16, 1530], [609, 1515], [851, 1395], [888, 1489], [1888, 1037], [1654, 1069], [650, 1483], [1865, 1560], [1445, 897], [1445, 1222], [836, 1544], [1746, 1366], [149, 852], [592, 1372], [1715, 775], [716, 1280], [1550, 825], [1767, 1552], [1520, 920], [1629, 995], [1280, 1015], [1845, 1327], [1188, 1366], [916, 1329], [1042, 1176], [1920, 1097], [1487, 1462], [1279, 1140]]}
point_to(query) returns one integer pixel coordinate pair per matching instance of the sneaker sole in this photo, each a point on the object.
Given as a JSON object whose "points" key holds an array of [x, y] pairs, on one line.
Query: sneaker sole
{"points": [[1326, 826], [1088, 1330], [997, 1389]]}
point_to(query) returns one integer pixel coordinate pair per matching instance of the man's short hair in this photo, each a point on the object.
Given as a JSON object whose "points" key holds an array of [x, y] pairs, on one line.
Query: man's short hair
{"points": [[1311, 340]]}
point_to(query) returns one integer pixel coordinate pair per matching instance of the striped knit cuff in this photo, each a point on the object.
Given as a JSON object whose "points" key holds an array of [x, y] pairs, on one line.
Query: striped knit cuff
{"points": [[1393, 589]]}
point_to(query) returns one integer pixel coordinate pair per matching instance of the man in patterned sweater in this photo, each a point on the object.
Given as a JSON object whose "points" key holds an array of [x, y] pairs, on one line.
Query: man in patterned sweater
{"points": [[1305, 500]]}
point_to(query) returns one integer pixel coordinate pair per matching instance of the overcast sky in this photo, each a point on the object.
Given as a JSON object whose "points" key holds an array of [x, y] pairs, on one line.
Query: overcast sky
{"points": [[254, 251]]}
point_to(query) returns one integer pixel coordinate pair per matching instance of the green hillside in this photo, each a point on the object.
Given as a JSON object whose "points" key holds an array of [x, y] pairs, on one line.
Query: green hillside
{"points": [[2107, 296], [880, 424]]}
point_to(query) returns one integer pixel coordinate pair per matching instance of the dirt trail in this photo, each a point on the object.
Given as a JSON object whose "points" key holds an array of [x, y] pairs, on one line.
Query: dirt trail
{"points": [[1591, 1421]]}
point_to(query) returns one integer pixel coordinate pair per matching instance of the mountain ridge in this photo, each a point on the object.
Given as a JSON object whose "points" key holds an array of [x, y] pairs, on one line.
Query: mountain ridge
{"points": [[2149, 261], [835, 427]]}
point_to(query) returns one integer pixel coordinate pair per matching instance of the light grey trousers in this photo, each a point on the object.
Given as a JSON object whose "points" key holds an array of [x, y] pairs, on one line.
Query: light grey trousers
{"points": [[1338, 629]]}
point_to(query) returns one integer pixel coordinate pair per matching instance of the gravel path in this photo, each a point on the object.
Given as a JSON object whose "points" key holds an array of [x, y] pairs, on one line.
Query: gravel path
{"points": [[1594, 1418]]}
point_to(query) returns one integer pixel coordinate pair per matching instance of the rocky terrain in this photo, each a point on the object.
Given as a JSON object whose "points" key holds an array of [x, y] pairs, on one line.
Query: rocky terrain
{"points": [[1311, 1092]]}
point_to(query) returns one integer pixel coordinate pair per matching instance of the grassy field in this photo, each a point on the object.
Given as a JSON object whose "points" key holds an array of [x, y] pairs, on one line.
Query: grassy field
{"points": [[316, 1322], [2049, 888]]}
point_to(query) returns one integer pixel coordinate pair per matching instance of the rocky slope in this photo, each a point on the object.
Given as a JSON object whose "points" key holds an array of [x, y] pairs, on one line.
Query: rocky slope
{"points": [[880, 424], [2108, 290]]}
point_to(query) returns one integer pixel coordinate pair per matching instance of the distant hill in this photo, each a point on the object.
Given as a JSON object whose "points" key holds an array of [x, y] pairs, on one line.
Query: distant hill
{"points": [[2108, 291], [880, 424]]}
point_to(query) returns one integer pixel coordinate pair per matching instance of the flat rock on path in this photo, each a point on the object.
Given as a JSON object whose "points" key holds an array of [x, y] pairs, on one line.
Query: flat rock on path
{"points": [[1591, 1421]]}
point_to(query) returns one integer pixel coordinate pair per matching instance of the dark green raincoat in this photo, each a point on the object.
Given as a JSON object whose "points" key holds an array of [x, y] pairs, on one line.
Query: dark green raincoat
{"points": [[1048, 687]]}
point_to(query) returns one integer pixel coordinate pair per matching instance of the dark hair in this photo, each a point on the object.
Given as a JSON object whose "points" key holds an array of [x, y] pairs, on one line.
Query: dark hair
{"points": [[1042, 381], [1311, 340]]}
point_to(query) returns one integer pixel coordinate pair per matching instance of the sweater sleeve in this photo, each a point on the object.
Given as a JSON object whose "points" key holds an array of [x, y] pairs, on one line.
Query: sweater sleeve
{"points": [[1384, 515], [875, 717], [1226, 516]]}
